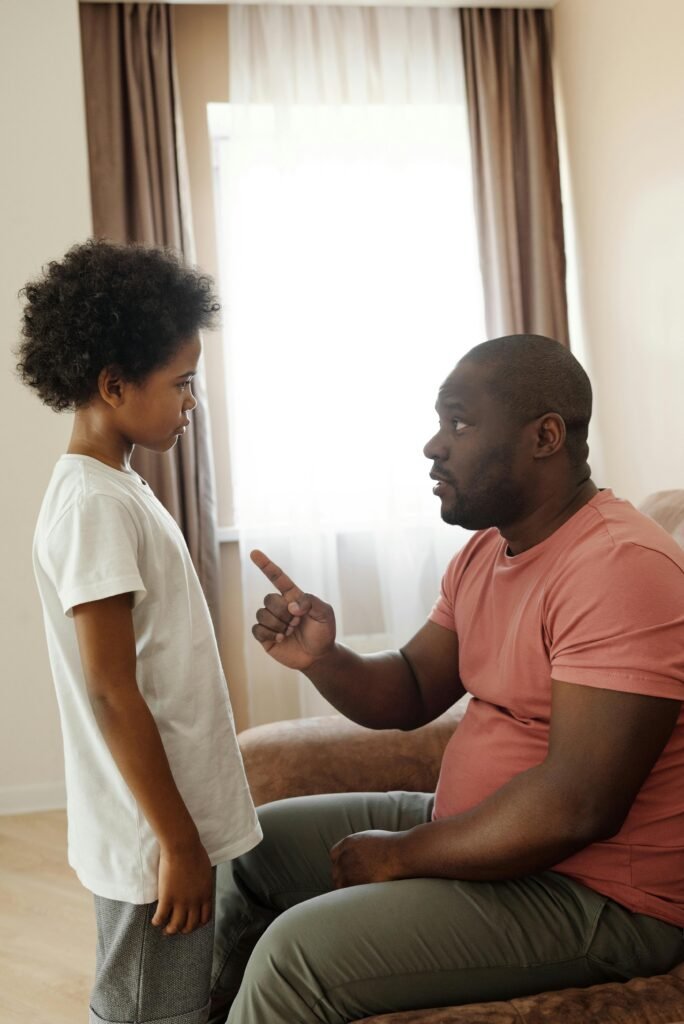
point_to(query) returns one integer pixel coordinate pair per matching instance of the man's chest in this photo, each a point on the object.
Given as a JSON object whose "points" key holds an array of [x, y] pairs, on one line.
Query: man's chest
{"points": [[503, 641]]}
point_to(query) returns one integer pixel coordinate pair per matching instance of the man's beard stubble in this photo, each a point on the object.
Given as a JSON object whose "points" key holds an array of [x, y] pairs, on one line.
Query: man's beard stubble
{"points": [[495, 500]]}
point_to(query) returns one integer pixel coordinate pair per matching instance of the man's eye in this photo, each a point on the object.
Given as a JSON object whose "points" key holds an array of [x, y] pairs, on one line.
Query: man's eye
{"points": [[458, 425]]}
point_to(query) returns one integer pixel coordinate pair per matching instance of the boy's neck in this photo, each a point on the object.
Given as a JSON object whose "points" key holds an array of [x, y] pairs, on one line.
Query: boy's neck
{"points": [[91, 437]]}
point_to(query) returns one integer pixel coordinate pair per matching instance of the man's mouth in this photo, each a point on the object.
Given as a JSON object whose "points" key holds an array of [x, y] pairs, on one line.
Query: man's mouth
{"points": [[441, 485]]}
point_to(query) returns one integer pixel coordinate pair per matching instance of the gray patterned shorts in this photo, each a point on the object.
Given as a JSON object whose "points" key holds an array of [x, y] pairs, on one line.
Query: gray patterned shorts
{"points": [[142, 975]]}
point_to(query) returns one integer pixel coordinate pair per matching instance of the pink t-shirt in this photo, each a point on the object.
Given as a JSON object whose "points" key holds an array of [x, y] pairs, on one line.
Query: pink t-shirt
{"points": [[599, 603]]}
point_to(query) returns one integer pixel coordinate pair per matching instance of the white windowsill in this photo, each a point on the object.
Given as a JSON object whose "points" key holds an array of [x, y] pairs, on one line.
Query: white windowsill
{"points": [[227, 534]]}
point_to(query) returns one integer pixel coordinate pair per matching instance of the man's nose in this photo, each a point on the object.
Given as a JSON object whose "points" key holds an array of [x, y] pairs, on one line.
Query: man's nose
{"points": [[435, 448]]}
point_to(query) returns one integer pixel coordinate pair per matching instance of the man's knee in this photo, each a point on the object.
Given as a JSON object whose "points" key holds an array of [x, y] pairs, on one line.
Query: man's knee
{"points": [[265, 869], [285, 976]]}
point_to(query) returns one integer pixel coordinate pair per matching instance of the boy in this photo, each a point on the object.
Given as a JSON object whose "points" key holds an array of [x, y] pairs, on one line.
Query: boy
{"points": [[156, 792]]}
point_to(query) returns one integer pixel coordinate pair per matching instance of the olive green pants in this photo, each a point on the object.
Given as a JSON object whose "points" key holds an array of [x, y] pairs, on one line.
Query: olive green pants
{"points": [[300, 952]]}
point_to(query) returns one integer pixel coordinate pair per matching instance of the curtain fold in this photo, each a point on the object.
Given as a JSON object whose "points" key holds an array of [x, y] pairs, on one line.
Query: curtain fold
{"points": [[507, 60], [140, 193]]}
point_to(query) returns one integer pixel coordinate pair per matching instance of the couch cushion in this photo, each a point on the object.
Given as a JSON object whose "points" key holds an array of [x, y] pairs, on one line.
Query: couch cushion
{"points": [[667, 508], [330, 754]]}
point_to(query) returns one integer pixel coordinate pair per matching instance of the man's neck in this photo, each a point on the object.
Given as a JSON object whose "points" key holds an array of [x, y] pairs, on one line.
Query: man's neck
{"points": [[548, 515]]}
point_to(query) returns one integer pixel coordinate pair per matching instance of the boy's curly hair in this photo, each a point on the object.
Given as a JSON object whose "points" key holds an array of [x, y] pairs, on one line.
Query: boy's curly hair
{"points": [[103, 304]]}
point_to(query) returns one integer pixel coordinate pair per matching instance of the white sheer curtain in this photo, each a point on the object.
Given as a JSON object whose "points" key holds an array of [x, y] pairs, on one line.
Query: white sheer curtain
{"points": [[351, 287]]}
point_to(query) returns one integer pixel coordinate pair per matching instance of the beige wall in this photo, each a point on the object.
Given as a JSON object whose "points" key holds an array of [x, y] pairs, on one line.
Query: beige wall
{"points": [[45, 208], [621, 78]]}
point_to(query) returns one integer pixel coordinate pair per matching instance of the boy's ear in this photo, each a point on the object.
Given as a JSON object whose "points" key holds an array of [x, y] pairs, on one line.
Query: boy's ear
{"points": [[111, 386]]}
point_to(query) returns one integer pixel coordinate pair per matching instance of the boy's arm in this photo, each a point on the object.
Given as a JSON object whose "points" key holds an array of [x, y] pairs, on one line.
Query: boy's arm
{"points": [[106, 642]]}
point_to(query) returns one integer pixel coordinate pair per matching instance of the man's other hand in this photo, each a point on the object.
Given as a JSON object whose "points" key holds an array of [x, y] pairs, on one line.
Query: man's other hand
{"points": [[366, 857], [293, 627]]}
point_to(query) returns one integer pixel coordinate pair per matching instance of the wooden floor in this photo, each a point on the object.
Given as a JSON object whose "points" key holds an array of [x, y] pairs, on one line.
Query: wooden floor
{"points": [[47, 925]]}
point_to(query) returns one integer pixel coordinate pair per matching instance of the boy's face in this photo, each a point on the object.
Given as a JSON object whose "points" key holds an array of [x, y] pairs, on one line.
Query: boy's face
{"points": [[156, 412]]}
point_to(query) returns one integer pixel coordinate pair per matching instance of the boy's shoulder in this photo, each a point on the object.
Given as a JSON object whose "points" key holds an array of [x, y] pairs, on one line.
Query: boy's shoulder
{"points": [[80, 480]]}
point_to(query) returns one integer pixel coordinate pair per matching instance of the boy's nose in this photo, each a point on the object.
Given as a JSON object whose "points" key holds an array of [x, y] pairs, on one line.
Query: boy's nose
{"points": [[190, 402]]}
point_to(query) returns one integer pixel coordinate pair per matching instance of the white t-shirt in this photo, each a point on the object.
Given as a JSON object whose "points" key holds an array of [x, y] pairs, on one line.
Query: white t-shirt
{"points": [[101, 532]]}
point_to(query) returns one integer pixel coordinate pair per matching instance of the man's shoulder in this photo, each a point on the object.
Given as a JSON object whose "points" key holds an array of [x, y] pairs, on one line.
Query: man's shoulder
{"points": [[618, 558], [615, 531]]}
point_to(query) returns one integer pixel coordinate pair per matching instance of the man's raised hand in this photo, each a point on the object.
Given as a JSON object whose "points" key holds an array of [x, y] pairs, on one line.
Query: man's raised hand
{"points": [[293, 627]]}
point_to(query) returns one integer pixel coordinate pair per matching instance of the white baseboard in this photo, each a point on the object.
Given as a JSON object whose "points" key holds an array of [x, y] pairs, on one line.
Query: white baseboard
{"points": [[39, 797]]}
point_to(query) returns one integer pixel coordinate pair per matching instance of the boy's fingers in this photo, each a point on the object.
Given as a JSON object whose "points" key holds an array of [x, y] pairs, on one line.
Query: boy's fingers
{"points": [[192, 921], [162, 912], [205, 916], [177, 922], [280, 580]]}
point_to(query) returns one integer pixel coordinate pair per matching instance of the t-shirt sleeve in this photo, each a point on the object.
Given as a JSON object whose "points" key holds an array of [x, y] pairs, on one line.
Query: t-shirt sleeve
{"points": [[91, 553], [617, 622], [443, 609]]}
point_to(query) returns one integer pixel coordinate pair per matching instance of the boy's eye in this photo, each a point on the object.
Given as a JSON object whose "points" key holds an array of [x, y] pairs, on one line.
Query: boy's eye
{"points": [[184, 384]]}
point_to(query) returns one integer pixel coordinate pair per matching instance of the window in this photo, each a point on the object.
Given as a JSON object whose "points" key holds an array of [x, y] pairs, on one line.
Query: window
{"points": [[350, 280]]}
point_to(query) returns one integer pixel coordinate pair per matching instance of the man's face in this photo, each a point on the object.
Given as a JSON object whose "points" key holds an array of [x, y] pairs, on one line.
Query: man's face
{"points": [[477, 453]]}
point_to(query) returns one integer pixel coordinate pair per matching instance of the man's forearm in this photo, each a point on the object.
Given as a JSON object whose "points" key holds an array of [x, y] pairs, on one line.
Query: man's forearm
{"points": [[132, 736], [378, 691], [528, 825]]}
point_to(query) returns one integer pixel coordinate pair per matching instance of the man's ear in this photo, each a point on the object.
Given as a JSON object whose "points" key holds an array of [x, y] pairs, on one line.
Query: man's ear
{"points": [[551, 434], [111, 386]]}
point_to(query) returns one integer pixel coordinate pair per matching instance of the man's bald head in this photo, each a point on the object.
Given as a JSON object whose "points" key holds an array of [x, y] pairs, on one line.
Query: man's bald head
{"points": [[532, 375]]}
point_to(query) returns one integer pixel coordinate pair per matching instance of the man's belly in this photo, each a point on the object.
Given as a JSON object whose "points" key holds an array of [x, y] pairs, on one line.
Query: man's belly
{"points": [[489, 747]]}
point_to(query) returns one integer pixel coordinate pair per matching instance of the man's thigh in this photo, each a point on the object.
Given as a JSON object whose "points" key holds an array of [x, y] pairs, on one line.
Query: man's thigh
{"points": [[292, 862], [291, 865], [416, 943]]}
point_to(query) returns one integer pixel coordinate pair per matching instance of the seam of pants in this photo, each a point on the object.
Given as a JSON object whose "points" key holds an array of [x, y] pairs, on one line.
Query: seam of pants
{"points": [[140, 966], [449, 970], [583, 955]]}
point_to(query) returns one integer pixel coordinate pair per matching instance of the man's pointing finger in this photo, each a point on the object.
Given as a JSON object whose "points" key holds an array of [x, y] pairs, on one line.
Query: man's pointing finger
{"points": [[280, 580]]}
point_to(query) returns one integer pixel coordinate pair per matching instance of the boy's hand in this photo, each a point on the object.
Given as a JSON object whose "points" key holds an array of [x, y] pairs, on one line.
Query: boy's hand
{"points": [[293, 627], [185, 890]]}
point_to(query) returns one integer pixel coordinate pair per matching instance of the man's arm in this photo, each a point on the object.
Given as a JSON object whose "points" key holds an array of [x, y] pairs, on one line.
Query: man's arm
{"points": [[602, 746], [106, 642], [391, 690]]}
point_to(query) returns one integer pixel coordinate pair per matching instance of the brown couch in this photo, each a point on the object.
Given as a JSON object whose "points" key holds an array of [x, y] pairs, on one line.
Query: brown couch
{"points": [[332, 755]]}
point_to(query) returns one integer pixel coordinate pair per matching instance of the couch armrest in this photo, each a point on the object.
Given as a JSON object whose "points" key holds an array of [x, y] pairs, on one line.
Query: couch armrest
{"points": [[330, 754]]}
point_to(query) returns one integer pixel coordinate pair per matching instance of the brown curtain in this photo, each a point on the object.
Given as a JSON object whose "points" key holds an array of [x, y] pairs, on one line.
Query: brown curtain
{"points": [[507, 58], [139, 191]]}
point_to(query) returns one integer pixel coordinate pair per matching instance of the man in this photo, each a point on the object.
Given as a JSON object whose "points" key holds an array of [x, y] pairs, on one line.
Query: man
{"points": [[551, 854]]}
